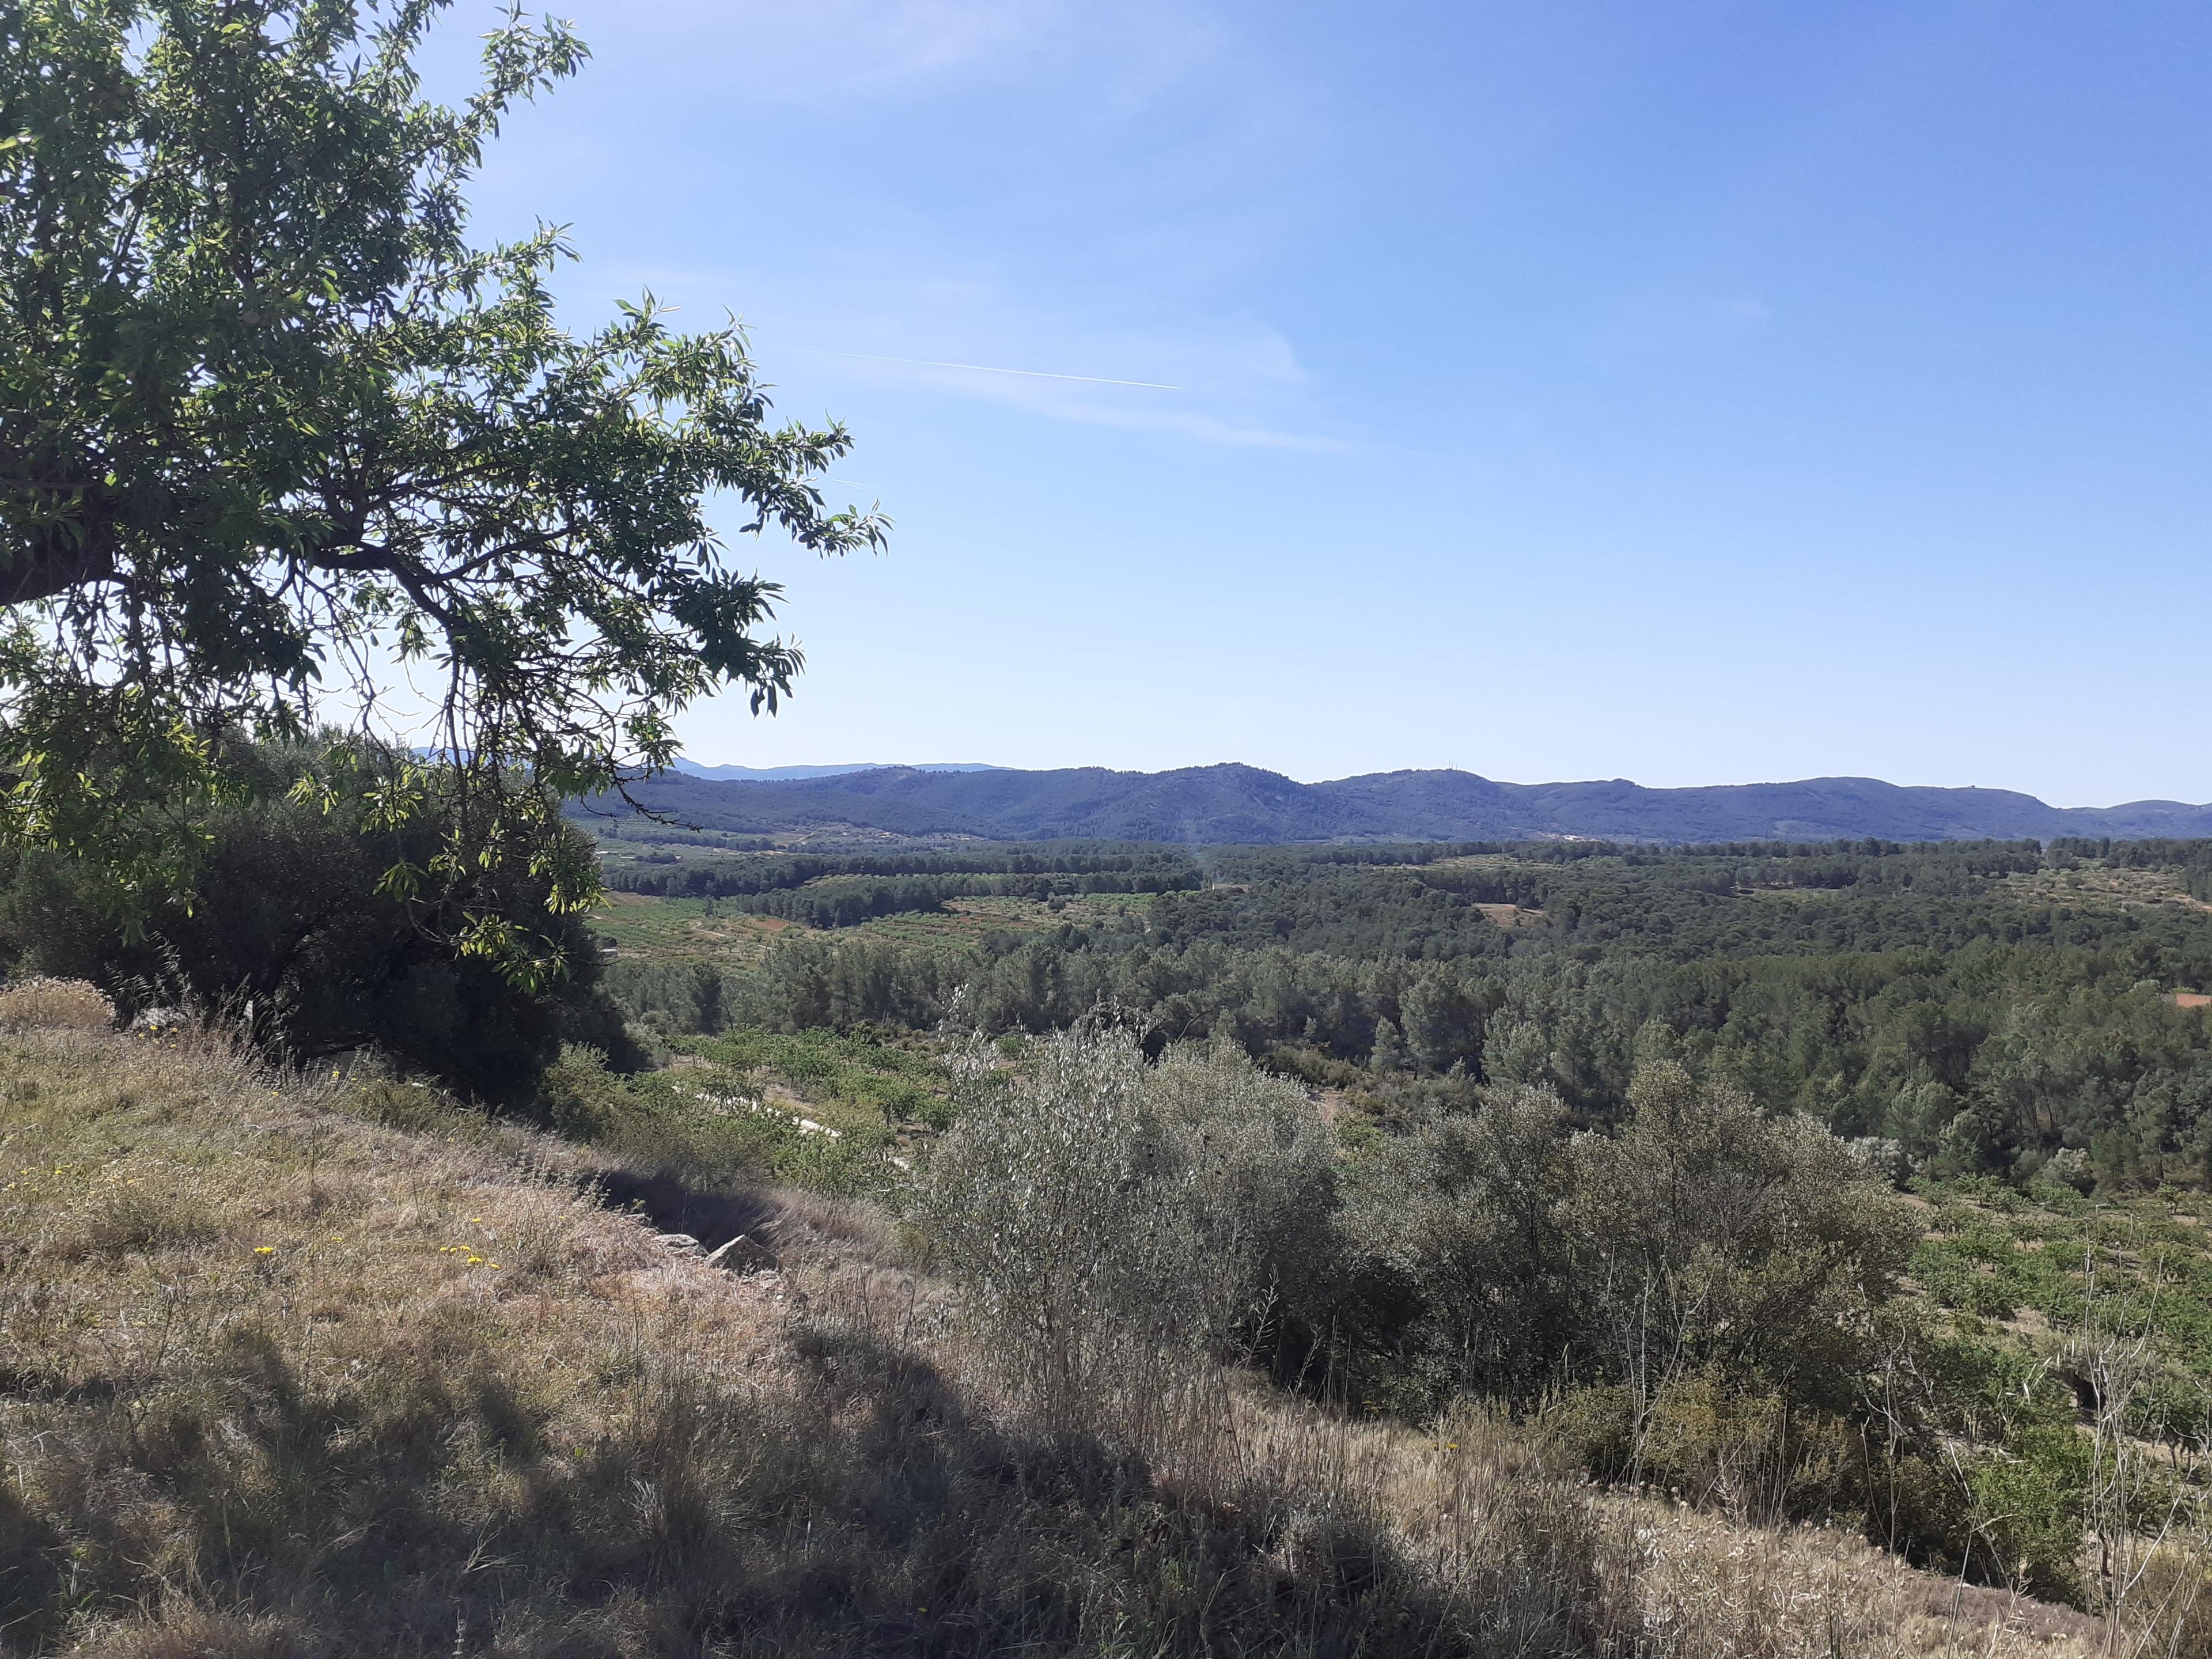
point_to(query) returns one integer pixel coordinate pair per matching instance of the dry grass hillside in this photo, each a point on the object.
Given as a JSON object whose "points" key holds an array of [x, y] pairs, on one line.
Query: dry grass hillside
{"points": [[326, 1367]]}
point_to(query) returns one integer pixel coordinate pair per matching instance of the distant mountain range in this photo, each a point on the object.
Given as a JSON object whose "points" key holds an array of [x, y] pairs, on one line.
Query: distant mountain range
{"points": [[1216, 805], [784, 773]]}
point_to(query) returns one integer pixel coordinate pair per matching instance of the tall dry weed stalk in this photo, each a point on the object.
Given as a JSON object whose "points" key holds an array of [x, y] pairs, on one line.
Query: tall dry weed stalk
{"points": [[2150, 1547]]}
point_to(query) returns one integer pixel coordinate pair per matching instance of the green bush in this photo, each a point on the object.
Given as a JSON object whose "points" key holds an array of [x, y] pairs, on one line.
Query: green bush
{"points": [[287, 930], [1108, 1219], [1493, 1253], [2028, 1510], [1707, 1235], [1458, 1226], [1714, 1442]]}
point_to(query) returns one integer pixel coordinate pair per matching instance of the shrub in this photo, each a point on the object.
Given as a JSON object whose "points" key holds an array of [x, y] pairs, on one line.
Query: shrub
{"points": [[55, 1005], [1252, 1168], [2030, 1511], [1706, 1235], [1107, 1217], [1715, 1443], [287, 927], [1034, 1203], [1460, 1220]]}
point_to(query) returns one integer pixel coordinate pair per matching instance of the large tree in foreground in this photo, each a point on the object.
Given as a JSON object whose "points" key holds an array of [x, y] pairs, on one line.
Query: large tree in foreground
{"points": [[271, 429]]}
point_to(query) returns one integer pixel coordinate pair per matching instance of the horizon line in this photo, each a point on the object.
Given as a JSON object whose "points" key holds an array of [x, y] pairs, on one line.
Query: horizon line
{"points": [[973, 767]]}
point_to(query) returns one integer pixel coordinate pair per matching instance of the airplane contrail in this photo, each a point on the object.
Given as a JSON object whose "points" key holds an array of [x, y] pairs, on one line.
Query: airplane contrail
{"points": [[985, 368]]}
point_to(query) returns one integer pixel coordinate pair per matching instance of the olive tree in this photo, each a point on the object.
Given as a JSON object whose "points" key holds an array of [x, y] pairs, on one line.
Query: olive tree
{"points": [[271, 426], [1109, 1220]]}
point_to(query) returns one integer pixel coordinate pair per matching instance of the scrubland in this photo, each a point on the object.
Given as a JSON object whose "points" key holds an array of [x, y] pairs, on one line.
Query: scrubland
{"points": [[330, 1366]]}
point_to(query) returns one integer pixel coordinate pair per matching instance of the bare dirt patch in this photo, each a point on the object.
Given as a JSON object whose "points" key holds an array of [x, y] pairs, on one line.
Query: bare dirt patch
{"points": [[1512, 916]]}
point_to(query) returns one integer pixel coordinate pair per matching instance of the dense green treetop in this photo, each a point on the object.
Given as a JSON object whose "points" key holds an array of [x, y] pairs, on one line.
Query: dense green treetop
{"points": [[270, 425]]}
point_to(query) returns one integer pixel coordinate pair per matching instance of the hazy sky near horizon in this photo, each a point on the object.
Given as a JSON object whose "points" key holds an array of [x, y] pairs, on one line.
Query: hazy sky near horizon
{"points": [[1694, 392]]}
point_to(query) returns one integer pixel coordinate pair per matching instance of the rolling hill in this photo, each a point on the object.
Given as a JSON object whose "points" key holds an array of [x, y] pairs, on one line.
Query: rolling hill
{"points": [[785, 774], [1218, 805]]}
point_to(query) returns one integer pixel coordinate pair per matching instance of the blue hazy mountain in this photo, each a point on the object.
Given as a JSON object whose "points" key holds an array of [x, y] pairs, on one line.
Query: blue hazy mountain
{"points": [[785, 774], [1217, 804]]}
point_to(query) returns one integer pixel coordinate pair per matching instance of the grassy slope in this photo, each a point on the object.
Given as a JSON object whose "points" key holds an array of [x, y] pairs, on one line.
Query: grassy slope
{"points": [[328, 1368]]}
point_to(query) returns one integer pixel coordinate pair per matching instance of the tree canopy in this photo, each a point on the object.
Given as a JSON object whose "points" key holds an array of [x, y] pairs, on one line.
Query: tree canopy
{"points": [[276, 439]]}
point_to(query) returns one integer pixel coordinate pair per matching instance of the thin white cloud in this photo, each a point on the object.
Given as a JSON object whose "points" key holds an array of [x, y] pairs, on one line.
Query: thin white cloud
{"points": [[1098, 300], [1109, 358], [1206, 428], [989, 368], [1211, 380], [832, 49]]}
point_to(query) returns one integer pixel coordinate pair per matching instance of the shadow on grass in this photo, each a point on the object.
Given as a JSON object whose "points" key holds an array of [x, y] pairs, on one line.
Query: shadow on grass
{"points": [[713, 1215], [429, 1508]]}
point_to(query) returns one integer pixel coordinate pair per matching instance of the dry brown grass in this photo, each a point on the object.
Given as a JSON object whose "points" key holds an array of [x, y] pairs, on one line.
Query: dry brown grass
{"points": [[330, 1369], [54, 1005]]}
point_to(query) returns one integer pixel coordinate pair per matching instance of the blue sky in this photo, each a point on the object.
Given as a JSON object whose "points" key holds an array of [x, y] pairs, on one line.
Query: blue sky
{"points": [[1689, 392]]}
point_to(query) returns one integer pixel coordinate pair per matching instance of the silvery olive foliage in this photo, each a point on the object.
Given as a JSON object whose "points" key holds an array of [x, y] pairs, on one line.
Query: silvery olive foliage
{"points": [[1254, 1165], [1106, 1219]]}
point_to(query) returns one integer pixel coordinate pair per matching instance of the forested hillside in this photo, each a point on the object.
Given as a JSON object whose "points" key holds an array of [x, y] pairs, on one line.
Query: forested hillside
{"points": [[1211, 804], [1852, 1181], [1989, 1006], [1860, 1184]]}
